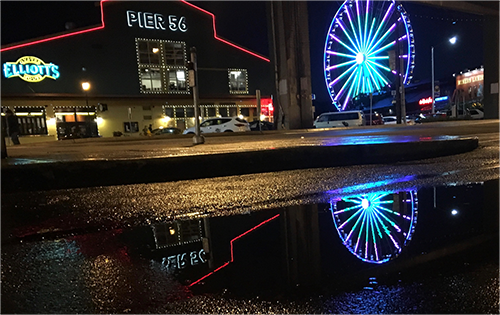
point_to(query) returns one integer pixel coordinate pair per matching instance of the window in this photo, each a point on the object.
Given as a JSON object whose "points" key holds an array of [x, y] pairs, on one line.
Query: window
{"points": [[245, 111], [179, 112], [174, 53], [162, 66], [211, 112], [169, 111], [130, 127], [177, 80], [151, 79], [223, 111], [238, 83], [149, 52], [177, 233], [189, 111], [31, 121]]}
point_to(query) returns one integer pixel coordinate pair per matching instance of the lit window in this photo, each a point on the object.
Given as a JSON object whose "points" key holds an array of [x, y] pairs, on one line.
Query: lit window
{"points": [[177, 80], [162, 66], [151, 80], [238, 81]]}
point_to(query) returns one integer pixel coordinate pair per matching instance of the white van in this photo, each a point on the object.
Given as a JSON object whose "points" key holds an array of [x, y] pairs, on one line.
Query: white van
{"points": [[340, 119]]}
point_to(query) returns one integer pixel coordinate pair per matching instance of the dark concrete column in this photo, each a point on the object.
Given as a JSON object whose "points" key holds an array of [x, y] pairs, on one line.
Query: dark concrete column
{"points": [[3, 147], [491, 66], [300, 231], [491, 206], [290, 33]]}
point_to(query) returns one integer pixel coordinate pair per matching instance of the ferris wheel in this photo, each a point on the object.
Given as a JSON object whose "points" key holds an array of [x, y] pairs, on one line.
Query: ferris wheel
{"points": [[376, 226], [360, 40]]}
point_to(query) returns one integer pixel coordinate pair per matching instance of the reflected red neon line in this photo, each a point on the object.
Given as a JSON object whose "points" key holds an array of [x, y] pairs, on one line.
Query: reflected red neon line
{"points": [[232, 257], [102, 26], [60, 36]]}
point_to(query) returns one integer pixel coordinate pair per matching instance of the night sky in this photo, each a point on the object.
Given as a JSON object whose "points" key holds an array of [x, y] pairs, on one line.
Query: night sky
{"points": [[244, 23]]}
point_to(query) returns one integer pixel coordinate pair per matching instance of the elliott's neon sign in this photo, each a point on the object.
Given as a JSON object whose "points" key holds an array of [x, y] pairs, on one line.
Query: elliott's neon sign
{"points": [[156, 21], [30, 69]]}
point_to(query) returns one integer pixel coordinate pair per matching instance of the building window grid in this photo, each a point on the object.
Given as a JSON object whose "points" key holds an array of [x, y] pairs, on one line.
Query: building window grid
{"points": [[237, 85], [32, 120], [164, 69]]}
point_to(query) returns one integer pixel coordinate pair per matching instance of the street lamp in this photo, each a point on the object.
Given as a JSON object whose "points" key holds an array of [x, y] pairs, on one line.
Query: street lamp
{"points": [[86, 87], [452, 41]]}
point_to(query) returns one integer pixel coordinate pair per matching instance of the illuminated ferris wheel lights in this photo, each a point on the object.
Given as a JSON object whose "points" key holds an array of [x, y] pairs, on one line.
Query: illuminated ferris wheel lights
{"points": [[353, 42], [360, 58]]}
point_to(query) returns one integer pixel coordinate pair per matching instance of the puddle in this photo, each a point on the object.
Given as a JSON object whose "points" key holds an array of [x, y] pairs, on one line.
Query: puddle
{"points": [[355, 242]]}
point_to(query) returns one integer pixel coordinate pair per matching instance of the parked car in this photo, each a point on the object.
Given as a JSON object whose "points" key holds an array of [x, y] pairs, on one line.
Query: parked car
{"points": [[340, 119], [264, 125], [392, 120], [166, 131], [476, 113], [377, 119], [221, 124]]}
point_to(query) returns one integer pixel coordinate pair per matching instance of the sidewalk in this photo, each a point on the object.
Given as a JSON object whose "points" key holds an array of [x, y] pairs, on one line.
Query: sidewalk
{"points": [[117, 161]]}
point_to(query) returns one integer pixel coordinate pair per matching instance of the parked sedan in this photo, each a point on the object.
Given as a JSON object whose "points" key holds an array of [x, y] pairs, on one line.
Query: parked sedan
{"points": [[476, 113], [166, 131], [392, 120], [264, 125], [221, 124]]}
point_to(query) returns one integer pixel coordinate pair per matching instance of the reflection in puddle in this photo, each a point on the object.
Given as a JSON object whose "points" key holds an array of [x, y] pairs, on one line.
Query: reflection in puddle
{"points": [[163, 267], [376, 226]]}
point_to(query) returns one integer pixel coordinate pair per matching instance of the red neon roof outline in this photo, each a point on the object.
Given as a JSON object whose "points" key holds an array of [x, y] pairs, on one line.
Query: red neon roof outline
{"points": [[232, 257], [102, 26]]}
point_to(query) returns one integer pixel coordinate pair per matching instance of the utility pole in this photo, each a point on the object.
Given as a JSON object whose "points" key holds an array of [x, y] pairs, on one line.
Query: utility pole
{"points": [[259, 108], [193, 83], [3, 146], [400, 84]]}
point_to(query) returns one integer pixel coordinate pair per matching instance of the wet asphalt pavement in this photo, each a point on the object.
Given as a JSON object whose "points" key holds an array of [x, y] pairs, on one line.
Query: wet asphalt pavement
{"points": [[75, 250]]}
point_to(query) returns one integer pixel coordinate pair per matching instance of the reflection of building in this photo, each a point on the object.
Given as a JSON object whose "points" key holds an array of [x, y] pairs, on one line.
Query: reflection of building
{"points": [[135, 63]]}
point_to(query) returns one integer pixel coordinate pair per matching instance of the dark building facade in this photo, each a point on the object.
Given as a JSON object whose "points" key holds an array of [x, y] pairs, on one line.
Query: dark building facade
{"points": [[135, 67]]}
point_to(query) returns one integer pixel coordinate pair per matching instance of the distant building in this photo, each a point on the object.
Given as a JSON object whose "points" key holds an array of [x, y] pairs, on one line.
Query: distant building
{"points": [[135, 67]]}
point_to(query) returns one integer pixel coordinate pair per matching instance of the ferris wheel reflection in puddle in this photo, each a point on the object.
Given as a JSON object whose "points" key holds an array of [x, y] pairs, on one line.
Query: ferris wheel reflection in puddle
{"points": [[376, 226]]}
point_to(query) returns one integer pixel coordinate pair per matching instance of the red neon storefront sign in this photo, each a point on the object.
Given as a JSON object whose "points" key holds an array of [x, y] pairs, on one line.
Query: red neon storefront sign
{"points": [[425, 101]]}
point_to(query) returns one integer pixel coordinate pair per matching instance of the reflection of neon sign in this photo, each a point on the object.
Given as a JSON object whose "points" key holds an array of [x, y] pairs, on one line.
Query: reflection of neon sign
{"points": [[156, 21], [183, 260], [425, 101], [30, 69]]}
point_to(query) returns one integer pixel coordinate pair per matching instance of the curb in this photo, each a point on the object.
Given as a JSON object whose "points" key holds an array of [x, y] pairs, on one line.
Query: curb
{"points": [[80, 174]]}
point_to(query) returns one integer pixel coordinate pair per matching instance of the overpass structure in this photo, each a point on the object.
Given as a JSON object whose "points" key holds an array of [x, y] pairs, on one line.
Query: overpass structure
{"points": [[490, 11]]}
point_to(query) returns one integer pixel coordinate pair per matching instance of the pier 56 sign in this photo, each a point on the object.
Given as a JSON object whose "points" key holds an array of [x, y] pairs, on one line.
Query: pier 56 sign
{"points": [[30, 69], [156, 21]]}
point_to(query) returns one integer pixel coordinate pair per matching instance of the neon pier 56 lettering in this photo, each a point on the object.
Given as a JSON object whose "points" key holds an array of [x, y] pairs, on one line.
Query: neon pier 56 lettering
{"points": [[156, 21], [30, 69]]}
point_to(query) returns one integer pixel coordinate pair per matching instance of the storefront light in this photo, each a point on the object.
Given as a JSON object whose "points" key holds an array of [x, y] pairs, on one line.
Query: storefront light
{"points": [[166, 119], [240, 116], [51, 121], [99, 120], [262, 117]]}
